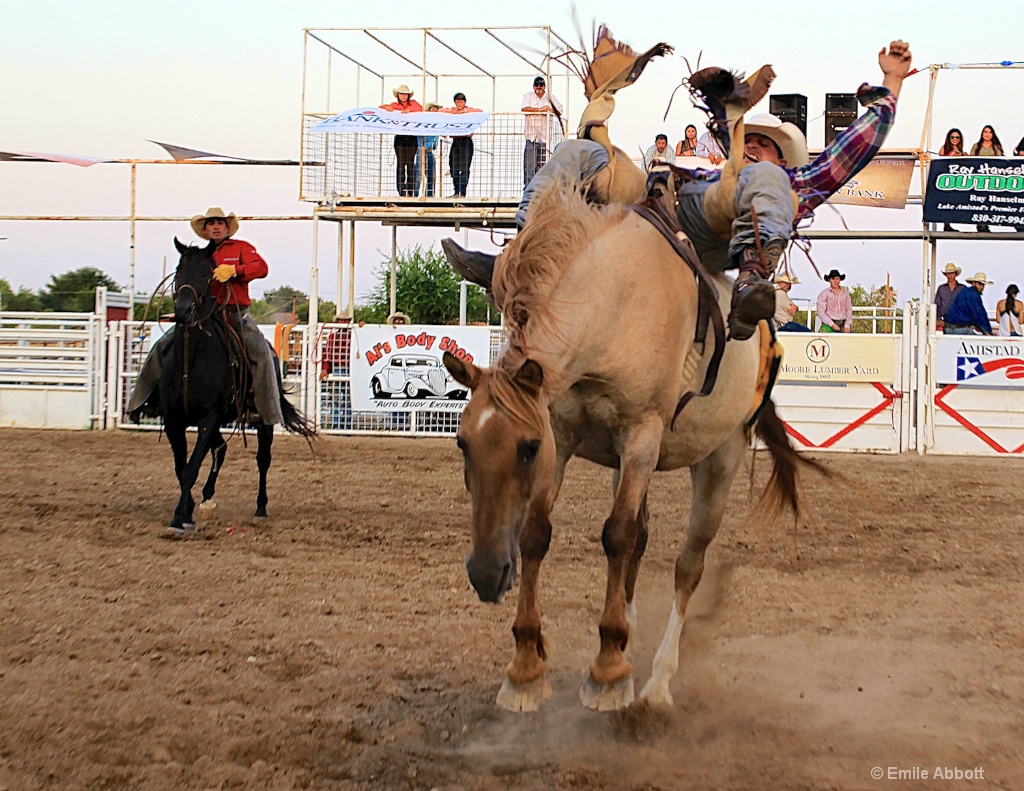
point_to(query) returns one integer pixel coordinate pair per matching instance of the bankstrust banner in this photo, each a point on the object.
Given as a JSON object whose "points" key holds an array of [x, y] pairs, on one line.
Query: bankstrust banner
{"points": [[374, 121], [975, 190], [884, 184]]}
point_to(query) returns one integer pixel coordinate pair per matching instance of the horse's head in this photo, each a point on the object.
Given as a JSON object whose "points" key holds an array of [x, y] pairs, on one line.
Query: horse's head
{"points": [[192, 281], [509, 454]]}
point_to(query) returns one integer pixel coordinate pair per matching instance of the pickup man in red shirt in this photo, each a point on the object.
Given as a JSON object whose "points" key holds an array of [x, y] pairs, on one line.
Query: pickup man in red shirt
{"points": [[237, 263]]}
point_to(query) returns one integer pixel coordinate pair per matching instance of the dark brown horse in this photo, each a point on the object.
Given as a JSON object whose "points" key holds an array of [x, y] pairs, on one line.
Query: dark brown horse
{"points": [[601, 315], [204, 382]]}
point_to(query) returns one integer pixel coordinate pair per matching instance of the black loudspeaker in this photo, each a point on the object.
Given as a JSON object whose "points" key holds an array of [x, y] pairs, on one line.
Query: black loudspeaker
{"points": [[840, 112], [790, 107]]}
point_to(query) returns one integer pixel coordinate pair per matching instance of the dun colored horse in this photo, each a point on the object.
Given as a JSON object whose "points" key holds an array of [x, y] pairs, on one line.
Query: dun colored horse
{"points": [[601, 314], [204, 383]]}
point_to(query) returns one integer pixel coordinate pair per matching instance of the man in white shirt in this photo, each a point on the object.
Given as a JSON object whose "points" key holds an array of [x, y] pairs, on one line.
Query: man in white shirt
{"points": [[539, 106], [709, 148]]}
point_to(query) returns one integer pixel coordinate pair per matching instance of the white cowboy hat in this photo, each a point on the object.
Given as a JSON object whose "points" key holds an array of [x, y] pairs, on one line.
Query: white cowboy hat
{"points": [[980, 277], [951, 269], [784, 278], [403, 88], [431, 106], [214, 213], [786, 136], [397, 315]]}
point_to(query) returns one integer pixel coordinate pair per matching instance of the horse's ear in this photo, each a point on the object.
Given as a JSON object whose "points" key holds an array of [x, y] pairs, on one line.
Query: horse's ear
{"points": [[530, 377], [181, 248], [464, 373]]}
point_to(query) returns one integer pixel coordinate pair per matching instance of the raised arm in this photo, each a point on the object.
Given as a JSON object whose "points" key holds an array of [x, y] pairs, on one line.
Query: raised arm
{"points": [[895, 65]]}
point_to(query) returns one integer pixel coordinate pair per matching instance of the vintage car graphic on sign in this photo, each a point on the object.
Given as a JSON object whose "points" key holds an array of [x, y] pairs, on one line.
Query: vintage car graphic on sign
{"points": [[415, 376]]}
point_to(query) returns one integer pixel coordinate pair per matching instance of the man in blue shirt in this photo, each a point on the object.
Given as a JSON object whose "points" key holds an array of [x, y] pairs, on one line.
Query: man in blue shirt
{"points": [[967, 314]]}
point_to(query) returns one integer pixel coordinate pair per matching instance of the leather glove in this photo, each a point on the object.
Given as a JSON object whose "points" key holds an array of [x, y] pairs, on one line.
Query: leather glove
{"points": [[223, 273]]}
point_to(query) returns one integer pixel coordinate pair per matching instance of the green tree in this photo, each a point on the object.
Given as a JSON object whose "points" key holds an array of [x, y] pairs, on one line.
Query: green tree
{"points": [[875, 297], [282, 300], [427, 288], [22, 299], [75, 291]]}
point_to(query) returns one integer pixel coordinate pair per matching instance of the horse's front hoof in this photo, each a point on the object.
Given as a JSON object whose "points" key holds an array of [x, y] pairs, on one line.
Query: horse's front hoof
{"points": [[207, 507], [656, 692], [606, 697], [180, 530], [261, 513], [523, 697]]}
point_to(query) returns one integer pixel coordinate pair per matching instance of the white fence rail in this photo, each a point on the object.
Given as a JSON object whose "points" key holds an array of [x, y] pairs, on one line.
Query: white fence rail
{"points": [[51, 371], [859, 392]]}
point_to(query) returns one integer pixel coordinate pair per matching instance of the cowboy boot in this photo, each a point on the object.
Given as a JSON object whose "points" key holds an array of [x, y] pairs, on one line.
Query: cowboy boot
{"points": [[753, 295], [472, 266]]}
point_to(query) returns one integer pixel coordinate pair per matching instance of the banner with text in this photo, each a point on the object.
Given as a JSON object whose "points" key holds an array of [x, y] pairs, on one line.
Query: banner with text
{"points": [[840, 358], [399, 369], [977, 361], [975, 190], [884, 183], [374, 121]]}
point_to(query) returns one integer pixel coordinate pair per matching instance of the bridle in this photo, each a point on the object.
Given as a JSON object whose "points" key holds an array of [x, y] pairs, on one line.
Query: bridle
{"points": [[193, 320]]}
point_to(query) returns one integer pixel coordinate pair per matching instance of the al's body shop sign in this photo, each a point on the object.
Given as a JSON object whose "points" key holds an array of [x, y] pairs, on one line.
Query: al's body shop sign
{"points": [[975, 190]]}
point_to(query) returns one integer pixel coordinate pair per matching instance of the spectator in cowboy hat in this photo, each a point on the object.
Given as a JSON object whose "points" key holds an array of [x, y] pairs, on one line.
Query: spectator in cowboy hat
{"points": [[785, 308], [944, 294], [398, 318], [405, 145], [967, 315], [835, 308]]}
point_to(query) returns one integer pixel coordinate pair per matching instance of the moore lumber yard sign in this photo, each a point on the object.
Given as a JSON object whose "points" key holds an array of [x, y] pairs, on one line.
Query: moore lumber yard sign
{"points": [[975, 190], [839, 358]]}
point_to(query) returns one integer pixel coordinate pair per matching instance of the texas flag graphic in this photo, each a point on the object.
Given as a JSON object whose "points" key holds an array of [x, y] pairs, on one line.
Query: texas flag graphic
{"points": [[971, 367]]}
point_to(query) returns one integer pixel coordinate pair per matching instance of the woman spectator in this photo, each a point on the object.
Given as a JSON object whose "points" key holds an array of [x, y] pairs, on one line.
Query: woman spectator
{"points": [[424, 162], [1010, 313], [405, 145], [687, 147], [461, 156], [953, 145], [988, 144], [1019, 150]]}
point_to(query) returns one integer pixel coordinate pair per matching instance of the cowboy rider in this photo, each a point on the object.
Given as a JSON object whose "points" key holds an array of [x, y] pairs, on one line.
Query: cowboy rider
{"points": [[742, 217], [237, 263]]}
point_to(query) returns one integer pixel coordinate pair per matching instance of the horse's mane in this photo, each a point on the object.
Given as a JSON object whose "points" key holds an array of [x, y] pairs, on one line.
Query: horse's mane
{"points": [[560, 224]]}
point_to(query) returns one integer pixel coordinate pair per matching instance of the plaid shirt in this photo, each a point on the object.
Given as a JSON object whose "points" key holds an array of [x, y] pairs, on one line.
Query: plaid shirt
{"points": [[848, 153]]}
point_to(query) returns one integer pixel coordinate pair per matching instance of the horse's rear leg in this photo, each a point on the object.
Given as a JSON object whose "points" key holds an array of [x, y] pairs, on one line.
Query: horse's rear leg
{"points": [[265, 435], [609, 684], [218, 450], [712, 479], [633, 569]]}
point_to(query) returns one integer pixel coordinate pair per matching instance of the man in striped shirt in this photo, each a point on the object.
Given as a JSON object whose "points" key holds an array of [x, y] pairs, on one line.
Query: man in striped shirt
{"points": [[835, 308]]}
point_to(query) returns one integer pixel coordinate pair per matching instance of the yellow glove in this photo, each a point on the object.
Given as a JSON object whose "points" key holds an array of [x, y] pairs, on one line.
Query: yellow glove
{"points": [[223, 273]]}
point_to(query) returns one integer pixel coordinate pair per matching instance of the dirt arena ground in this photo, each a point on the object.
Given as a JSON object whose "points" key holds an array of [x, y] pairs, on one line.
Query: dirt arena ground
{"points": [[337, 645]]}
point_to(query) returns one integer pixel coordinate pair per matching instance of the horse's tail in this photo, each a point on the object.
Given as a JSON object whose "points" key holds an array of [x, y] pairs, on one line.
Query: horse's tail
{"points": [[294, 421], [782, 491]]}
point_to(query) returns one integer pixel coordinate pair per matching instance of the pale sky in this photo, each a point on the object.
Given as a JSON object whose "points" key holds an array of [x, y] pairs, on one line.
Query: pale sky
{"points": [[100, 78]]}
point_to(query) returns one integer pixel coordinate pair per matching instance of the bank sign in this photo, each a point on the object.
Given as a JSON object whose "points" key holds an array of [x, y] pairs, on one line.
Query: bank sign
{"points": [[976, 361], [975, 190], [839, 357]]}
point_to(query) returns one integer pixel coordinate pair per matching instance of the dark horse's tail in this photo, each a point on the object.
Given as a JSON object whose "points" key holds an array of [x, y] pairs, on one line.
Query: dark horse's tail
{"points": [[294, 421], [782, 490]]}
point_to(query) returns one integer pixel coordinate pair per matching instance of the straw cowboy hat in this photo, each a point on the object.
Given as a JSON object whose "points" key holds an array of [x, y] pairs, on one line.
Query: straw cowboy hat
{"points": [[403, 88], [835, 273], [786, 136], [951, 269], [784, 278], [214, 213], [979, 277], [397, 315], [431, 106]]}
